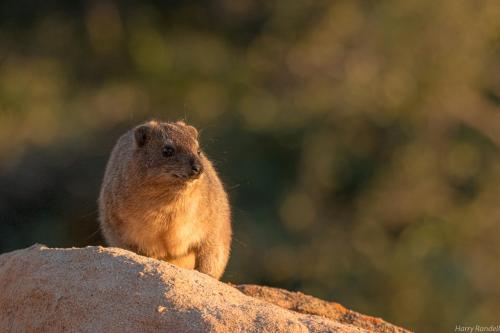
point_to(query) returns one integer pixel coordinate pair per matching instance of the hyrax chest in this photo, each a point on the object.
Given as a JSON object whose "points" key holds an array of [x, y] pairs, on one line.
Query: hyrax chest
{"points": [[166, 232]]}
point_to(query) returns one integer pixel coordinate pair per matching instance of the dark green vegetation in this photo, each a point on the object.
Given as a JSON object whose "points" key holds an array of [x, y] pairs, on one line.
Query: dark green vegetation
{"points": [[358, 140]]}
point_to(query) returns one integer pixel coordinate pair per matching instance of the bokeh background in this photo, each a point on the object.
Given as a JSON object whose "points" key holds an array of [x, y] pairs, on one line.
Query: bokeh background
{"points": [[358, 140]]}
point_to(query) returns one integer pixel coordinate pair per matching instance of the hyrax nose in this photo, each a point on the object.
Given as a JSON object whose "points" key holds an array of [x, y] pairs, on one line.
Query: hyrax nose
{"points": [[196, 167]]}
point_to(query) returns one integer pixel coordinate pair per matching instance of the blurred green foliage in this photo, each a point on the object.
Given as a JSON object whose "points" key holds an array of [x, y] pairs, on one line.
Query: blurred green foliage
{"points": [[358, 140]]}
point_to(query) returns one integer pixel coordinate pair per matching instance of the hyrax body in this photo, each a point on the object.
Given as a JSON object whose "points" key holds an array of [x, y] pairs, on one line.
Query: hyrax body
{"points": [[162, 198]]}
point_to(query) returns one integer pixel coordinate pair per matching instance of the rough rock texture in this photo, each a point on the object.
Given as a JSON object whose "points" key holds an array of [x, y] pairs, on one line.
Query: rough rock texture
{"points": [[97, 289], [299, 302]]}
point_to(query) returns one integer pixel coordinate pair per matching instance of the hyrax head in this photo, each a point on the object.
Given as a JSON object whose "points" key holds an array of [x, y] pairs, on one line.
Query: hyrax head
{"points": [[168, 151]]}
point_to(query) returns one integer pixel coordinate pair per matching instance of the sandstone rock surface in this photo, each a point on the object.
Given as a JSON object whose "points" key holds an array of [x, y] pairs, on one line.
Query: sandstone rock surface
{"points": [[96, 289]]}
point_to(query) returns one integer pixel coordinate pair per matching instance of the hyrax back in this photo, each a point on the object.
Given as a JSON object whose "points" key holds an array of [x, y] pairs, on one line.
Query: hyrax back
{"points": [[162, 198]]}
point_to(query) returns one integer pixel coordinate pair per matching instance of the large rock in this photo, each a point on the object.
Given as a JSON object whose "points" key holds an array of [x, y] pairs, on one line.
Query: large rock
{"points": [[98, 289]]}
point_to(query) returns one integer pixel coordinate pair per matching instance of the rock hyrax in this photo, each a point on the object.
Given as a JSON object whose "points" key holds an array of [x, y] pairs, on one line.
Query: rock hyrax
{"points": [[162, 198]]}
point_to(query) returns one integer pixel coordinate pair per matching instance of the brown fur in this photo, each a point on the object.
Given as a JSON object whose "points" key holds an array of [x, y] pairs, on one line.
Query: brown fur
{"points": [[149, 203]]}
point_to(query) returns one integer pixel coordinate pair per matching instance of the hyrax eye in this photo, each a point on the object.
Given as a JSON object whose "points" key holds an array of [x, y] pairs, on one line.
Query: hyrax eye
{"points": [[168, 151]]}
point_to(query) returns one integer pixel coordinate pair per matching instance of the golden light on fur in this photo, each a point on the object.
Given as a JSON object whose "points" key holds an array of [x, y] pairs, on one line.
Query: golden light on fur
{"points": [[162, 198]]}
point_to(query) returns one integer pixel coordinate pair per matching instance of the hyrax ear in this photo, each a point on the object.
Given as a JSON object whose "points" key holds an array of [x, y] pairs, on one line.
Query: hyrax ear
{"points": [[142, 134], [193, 131]]}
